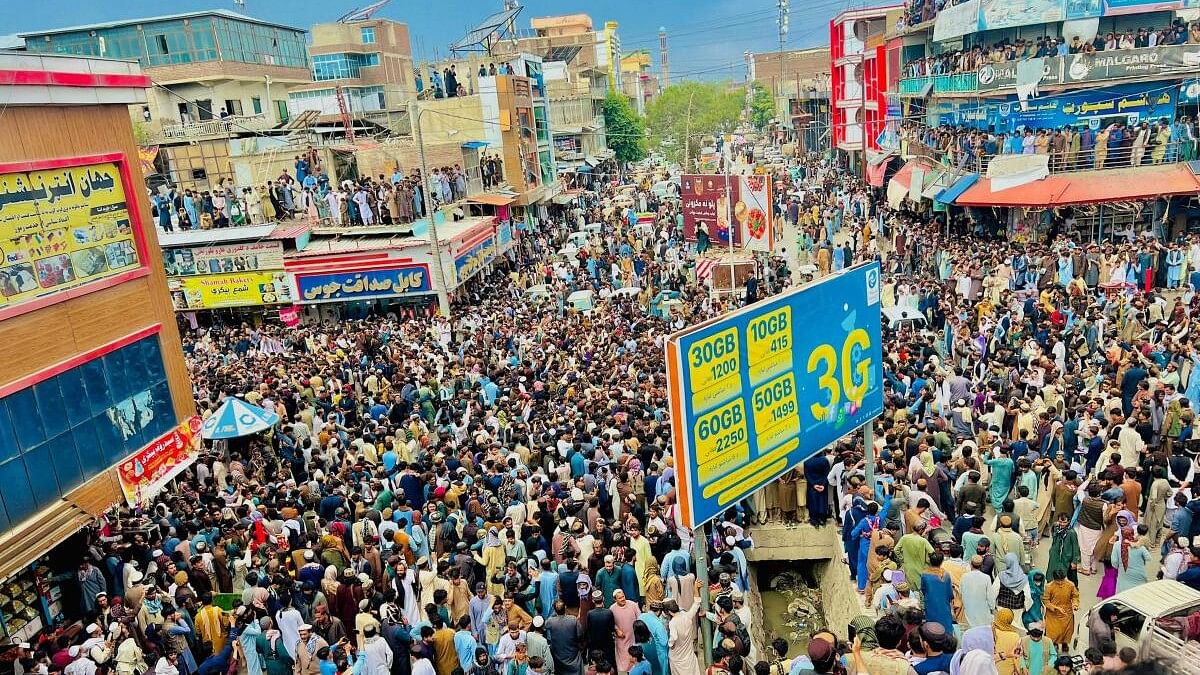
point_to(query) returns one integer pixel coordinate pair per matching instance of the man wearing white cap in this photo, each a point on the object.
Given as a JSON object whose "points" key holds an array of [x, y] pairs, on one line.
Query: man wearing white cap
{"points": [[80, 664]]}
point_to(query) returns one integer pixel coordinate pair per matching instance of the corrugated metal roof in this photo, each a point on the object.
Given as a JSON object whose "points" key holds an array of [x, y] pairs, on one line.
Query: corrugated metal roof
{"points": [[223, 13]]}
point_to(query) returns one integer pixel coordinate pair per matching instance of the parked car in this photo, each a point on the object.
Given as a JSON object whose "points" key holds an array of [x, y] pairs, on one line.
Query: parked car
{"points": [[1153, 619]]}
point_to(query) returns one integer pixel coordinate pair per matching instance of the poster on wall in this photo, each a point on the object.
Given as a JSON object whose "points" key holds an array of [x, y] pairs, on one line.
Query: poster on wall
{"points": [[706, 205], [957, 21], [146, 471], [995, 14], [62, 228], [752, 211], [262, 255], [243, 289]]}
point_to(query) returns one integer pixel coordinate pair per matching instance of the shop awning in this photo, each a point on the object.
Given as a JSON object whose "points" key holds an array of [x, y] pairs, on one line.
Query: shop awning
{"points": [[492, 200], [935, 182], [1090, 187], [875, 173], [563, 199], [475, 145], [959, 186], [903, 177]]}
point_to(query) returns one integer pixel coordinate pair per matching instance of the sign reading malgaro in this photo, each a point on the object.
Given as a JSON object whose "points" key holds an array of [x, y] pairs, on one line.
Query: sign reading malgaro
{"points": [[1109, 65]]}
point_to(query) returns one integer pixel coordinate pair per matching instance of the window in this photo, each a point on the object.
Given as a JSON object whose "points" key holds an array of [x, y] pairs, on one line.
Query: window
{"points": [[160, 42], [233, 106], [368, 36], [256, 105], [199, 174], [341, 66], [281, 110], [87, 419], [204, 109]]}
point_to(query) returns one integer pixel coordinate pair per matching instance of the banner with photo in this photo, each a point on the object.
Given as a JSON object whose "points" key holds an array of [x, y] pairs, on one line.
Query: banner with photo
{"points": [[706, 205], [995, 14], [62, 228], [261, 255], [957, 21], [752, 211], [1145, 62], [148, 470], [240, 289]]}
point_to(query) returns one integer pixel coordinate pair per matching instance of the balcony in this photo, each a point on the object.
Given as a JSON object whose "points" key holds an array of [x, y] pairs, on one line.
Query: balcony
{"points": [[217, 128], [962, 83], [1112, 158]]}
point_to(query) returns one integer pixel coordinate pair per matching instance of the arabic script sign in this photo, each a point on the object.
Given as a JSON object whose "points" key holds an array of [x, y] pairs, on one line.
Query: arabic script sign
{"points": [[62, 228], [230, 290], [402, 280], [474, 259]]}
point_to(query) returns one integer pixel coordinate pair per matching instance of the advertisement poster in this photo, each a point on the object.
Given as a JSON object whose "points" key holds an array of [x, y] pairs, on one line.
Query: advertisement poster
{"points": [[1118, 7], [1082, 9], [402, 280], [475, 258], [1167, 61], [146, 471], [706, 206], [753, 213], [61, 228], [758, 391], [995, 14], [290, 316], [244, 289], [956, 21], [262, 255]]}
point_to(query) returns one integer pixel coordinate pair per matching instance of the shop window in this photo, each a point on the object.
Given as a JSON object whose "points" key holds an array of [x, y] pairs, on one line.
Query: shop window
{"points": [[49, 397], [8, 437], [22, 405]]}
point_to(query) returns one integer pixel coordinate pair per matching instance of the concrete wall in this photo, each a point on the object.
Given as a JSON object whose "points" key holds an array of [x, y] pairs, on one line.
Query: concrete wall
{"points": [[776, 541]]}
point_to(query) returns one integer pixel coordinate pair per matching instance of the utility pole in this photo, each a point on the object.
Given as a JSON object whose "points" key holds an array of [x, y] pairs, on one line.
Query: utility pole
{"points": [[435, 244]]}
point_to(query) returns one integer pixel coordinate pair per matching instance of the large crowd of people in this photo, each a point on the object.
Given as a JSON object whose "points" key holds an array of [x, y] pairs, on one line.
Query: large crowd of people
{"points": [[493, 493]]}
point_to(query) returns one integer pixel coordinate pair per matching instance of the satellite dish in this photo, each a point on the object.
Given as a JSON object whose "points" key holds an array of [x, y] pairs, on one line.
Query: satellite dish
{"points": [[360, 14]]}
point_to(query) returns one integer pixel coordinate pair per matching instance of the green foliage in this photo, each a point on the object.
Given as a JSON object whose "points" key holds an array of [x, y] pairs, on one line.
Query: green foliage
{"points": [[762, 106], [685, 113], [625, 131]]}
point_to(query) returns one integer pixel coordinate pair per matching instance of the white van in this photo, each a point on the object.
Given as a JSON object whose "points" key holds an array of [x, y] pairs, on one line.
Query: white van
{"points": [[898, 318], [1152, 619]]}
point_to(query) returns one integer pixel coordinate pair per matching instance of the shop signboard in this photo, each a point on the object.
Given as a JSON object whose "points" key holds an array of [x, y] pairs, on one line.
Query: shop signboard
{"points": [[239, 289], [475, 258], [995, 14], [504, 238], [1146, 62], [1189, 91], [1130, 104], [1118, 7], [63, 227], [146, 471], [386, 283], [260, 255], [1082, 9], [758, 391]]}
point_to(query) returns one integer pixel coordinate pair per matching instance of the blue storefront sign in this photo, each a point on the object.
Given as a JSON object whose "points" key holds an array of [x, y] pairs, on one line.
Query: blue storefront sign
{"points": [[1189, 91], [503, 235], [1132, 103], [398, 281], [474, 259]]}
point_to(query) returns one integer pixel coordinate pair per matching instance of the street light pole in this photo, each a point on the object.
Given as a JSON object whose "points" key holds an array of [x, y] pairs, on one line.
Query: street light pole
{"points": [[435, 244]]}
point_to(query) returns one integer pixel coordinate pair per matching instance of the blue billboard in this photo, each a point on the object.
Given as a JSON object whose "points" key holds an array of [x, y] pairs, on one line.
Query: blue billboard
{"points": [[386, 283], [757, 392], [1131, 103]]}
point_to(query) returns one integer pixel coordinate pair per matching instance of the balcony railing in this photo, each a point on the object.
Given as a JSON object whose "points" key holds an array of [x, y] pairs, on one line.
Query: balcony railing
{"points": [[1090, 160], [941, 84], [229, 126]]}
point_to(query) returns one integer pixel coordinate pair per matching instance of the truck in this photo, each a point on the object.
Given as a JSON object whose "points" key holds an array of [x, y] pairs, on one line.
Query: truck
{"points": [[1153, 620]]}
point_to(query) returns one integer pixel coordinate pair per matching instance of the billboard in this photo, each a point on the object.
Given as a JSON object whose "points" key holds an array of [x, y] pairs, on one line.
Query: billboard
{"points": [[714, 201], [388, 283], [146, 471], [260, 255], [63, 227], [240, 289], [995, 14], [758, 391], [1166, 61]]}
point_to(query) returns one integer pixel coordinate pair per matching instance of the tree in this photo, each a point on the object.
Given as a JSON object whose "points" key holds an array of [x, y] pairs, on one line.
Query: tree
{"points": [[625, 131], [762, 106], [685, 113]]}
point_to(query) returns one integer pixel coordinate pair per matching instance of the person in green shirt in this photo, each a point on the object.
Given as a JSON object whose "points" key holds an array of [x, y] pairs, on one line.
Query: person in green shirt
{"points": [[914, 549]]}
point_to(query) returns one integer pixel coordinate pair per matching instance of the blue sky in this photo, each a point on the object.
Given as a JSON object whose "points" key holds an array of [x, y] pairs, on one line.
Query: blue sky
{"points": [[707, 37]]}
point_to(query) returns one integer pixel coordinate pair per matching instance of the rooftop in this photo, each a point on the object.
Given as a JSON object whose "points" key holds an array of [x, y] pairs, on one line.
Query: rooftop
{"points": [[223, 13]]}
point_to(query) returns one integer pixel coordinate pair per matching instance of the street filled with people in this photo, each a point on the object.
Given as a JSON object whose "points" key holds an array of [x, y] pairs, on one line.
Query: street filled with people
{"points": [[494, 492]]}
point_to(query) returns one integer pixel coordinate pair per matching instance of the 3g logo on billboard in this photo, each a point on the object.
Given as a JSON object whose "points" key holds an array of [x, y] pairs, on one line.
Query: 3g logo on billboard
{"points": [[855, 376]]}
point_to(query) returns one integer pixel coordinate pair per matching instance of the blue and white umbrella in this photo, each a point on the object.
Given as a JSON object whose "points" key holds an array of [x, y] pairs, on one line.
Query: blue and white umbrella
{"points": [[236, 418]]}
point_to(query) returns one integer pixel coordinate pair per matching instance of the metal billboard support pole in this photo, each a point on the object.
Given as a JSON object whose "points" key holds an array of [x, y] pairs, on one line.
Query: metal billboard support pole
{"points": [[869, 454], [700, 549]]}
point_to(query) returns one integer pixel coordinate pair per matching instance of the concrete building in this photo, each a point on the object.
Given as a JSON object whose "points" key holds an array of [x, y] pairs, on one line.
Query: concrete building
{"points": [[799, 80], [858, 79], [216, 74], [371, 60], [612, 50], [96, 406], [638, 81]]}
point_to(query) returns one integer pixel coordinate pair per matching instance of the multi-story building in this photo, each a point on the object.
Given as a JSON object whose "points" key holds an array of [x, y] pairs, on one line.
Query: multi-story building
{"points": [[639, 83], [799, 81], [216, 75], [1059, 72], [369, 60], [858, 76], [613, 54], [95, 404]]}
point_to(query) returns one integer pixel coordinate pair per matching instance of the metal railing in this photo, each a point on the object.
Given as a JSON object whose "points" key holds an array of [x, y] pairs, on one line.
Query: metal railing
{"points": [[1121, 157], [942, 84], [217, 127]]}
